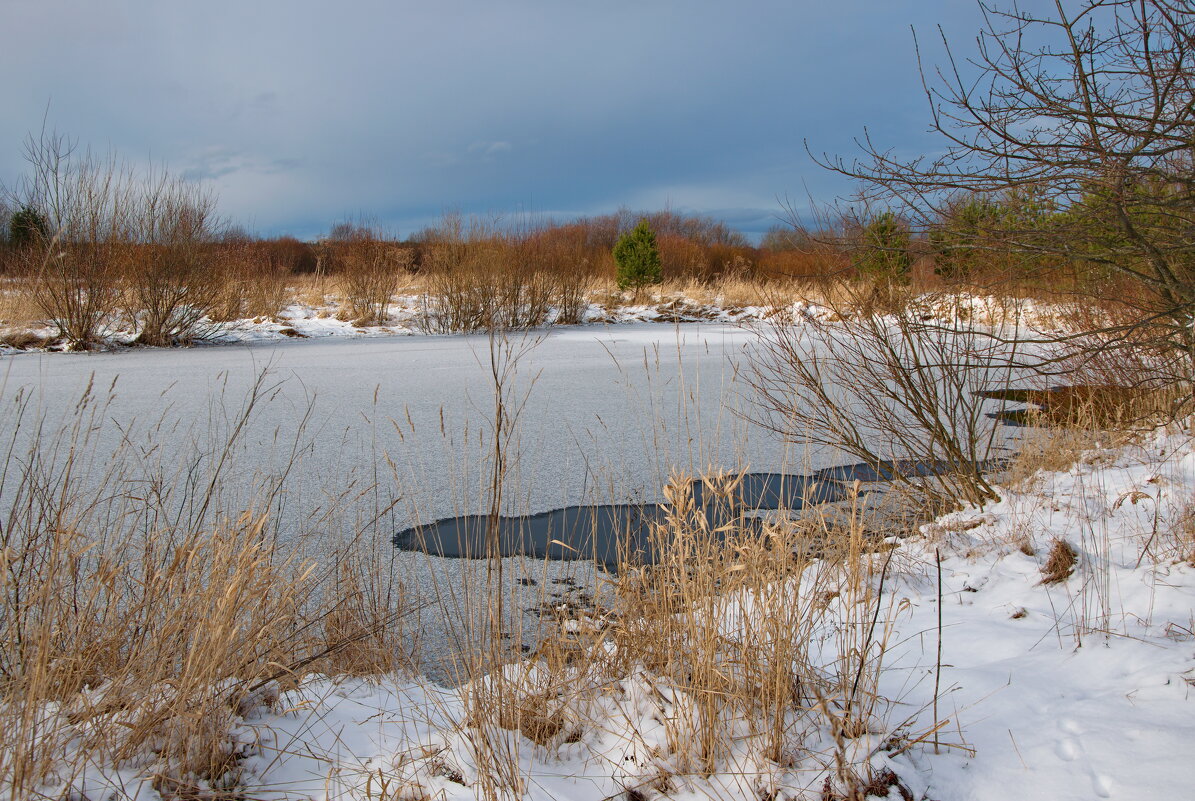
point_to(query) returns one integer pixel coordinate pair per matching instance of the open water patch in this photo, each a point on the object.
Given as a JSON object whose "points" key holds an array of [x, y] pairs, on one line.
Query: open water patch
{"points": [[615, 533], [1084, 405]]}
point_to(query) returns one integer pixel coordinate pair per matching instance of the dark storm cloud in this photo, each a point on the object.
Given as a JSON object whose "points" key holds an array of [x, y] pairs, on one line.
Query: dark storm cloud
{"points": [[299, 113]]}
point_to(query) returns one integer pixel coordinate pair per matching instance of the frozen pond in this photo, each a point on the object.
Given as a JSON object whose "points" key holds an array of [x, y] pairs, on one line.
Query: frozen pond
{"points": [[377, 436], [606, 413]]}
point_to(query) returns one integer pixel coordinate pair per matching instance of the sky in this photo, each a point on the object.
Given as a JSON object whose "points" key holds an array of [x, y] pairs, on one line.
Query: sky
{"points": [[299, 114]]}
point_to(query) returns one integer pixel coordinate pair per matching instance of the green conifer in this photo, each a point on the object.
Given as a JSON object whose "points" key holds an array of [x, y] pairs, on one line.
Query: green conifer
{"points": [[638, 258]]}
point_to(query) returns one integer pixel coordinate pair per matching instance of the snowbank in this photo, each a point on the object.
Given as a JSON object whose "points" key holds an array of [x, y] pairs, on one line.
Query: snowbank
{"points": [[1081, 688], [407, 317]]}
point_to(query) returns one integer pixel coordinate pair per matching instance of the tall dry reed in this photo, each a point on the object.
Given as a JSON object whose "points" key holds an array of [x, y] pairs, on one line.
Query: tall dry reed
{"points": [[142, 612]]}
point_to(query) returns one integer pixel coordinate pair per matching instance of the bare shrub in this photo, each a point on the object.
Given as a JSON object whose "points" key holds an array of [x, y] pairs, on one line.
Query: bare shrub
{"points": [[570, 293], [172, 286], [897, 391], [800, 255], [254, 281], [115, 239], [476, 280], [561, 257], [369, 272], [76, 288], [452, 299], [88, 204]]}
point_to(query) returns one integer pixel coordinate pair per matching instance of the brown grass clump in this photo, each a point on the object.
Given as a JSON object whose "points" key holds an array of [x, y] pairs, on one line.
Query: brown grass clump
{"points": [[1094, 406], [728, 291], [725, 632], [22, 340], [141, 624], [1048, 450], [1075, 420], [311, 290], [1060, 563], [17, 307]]}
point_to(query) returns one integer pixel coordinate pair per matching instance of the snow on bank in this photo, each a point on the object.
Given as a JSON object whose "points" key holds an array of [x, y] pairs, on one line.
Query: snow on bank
{"points": [[408, 316], [1084, 688], [1077, 689]]}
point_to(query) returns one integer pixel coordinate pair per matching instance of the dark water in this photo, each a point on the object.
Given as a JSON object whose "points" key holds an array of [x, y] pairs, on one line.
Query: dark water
{"points": [[1022, 417], [1064, 403], [576, 532], [609, 534]]}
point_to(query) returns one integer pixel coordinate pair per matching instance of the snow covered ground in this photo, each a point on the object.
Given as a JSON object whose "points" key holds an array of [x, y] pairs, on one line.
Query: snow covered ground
{"points": [[1078, 689], [407, 316]]}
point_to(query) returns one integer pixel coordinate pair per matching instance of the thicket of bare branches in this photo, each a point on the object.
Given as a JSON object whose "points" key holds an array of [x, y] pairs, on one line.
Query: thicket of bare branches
{"points": [[86, 203], [172, 284], [898, 391], [369, 266], [116, 241], [1080, 125]]}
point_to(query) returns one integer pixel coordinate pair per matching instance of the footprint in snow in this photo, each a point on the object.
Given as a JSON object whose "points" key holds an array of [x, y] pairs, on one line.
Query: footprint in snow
{"points": [[1070, 749]]}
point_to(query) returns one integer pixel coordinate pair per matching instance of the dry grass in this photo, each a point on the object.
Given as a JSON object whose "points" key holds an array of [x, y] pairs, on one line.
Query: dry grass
{"points": [[1048, 450], [726, 634], [1184, 530], [18, 310], [312, 289], [140, 616], [21, 339], [687, 618], [1070, 422], [1060, 563], [727, 291]]}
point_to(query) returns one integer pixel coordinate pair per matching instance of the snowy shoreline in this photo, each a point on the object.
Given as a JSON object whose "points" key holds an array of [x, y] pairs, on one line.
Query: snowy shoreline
{"points": [[408, 317], [1076, 689]]}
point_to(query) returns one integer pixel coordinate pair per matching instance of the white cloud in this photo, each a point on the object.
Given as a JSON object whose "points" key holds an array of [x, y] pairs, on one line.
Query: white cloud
{"points": [[487, 149]]}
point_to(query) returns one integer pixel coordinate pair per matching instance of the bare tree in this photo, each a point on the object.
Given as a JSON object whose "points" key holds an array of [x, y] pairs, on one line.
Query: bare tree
{"points": [[109, 239], [1088, 115], [173, 286], [87, 205]]}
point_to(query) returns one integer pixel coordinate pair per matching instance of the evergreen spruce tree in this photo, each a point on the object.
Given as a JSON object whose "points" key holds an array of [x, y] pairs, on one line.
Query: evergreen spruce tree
{"points": [[638, 258], [27, 227], [886, 248]]}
